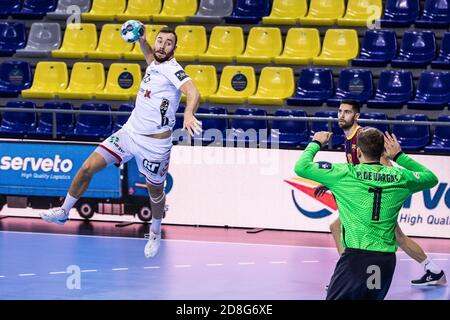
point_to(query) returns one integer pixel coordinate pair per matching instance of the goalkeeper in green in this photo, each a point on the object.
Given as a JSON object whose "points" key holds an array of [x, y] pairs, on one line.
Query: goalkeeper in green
{"points": [[369, 197]]}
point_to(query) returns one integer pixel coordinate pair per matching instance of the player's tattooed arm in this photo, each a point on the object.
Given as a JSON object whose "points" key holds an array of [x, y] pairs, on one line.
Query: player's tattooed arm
{"points": [[190, 123], [146, 49]]}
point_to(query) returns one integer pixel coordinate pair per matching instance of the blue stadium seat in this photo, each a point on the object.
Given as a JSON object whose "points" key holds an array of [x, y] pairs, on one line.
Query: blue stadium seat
{"points": [[338, 137], [212, 128], [7, 7], [375, 116], [121, 120], [290, 134], [178, 136], [353, 84], [418, 49], [35, 9], [243, 131], [395, 89], [93, 126], [412, 137], [19, 123], [179, 119], [443, 59], [64, 121], [436, 14], [12, 37], [15, 76], [400, 13], [441, 138], [314, 87], [249, 11], [379, 48], [433, 91]]}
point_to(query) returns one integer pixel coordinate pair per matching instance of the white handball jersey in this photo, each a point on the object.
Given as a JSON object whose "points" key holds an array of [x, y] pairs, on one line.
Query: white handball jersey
{"points": [[158, 98]]}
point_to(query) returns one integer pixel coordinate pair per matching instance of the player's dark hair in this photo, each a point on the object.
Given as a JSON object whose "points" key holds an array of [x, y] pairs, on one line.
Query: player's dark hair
{"points": [[371, 143], [356, 106], [169, 30]]}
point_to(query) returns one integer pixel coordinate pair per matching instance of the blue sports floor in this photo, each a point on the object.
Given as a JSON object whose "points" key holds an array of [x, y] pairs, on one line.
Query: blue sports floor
{"points": [[34, 266]]}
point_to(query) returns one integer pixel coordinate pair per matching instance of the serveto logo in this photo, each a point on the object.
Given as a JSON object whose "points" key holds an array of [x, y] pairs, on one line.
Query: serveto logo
{"points": [[36, 164], [307, 187]]}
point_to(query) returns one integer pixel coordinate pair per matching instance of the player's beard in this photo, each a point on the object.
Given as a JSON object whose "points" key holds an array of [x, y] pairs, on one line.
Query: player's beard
{"points": [[346, 125], [168, 56]]}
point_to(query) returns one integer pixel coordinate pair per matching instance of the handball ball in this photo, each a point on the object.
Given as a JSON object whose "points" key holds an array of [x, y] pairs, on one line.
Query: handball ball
{"points": [[131, 30]]}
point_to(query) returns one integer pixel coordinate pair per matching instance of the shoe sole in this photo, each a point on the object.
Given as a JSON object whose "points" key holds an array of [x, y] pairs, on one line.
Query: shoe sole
{"points": [[440, 282], [59, 222]]}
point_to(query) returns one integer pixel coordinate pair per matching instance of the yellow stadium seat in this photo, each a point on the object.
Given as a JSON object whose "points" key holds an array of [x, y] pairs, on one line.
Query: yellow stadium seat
{"points": [[111, 45], [301, 46], [49, 78], [85, 80], [225, 43], [141, 10], [237, 83], [104, 10], [263, 45], [191, 42], [151, 32], [78, 40], [324, 12], [339, 46], [357, 13], [122, 83], [275, 85], [176, 11], [286, 12], [204, 78]]}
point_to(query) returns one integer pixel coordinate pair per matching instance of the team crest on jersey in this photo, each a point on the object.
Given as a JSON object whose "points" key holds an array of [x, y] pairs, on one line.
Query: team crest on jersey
{"points": [[181, 75], [324, 165]]}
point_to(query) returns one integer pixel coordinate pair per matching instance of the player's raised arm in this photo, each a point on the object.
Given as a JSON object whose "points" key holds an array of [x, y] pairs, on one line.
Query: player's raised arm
{"points": [[190, 123], [146, 49]]}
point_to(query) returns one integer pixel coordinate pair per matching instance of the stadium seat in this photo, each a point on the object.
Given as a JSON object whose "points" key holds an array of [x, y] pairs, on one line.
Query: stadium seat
{"points": [[141, 10], [212, 11], [122, 83], [418, 49], [43, 38], [176, 11], [359, 13], [353, 84], [8, 7], [436, 14], [412, 137], [121, 120], [443, 59], [286, 12], [433, 91], [400, 13], [395, 89], [104, 10], [375, 116], [62, 10], [338, 137], [263, 45], [441, 137], [35, 9], [49, 78], [19, 123], [301, 46], [191, 42], [323, 12], [110, 45], [79, 39], [379, 48], [225, 44], [212, 129], [15, 76], [64, 121], [274, 86], [12, 37], [93, 126], [246, 132], [204, 78], [86, 79], [249, 11], [237, 83], [151, 31], [339, 46], [288, 133], [314, 87]]}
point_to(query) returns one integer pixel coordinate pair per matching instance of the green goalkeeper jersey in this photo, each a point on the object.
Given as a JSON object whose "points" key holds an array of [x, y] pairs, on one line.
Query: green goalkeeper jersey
{"points": [[369, 196]]}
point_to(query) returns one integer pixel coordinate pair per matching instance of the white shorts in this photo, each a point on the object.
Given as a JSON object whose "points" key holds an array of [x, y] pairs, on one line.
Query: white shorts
{"points": [[152, 155]]}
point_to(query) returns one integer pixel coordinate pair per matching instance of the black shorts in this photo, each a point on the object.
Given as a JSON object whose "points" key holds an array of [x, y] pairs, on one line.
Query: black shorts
{"points": [[362, 275]]}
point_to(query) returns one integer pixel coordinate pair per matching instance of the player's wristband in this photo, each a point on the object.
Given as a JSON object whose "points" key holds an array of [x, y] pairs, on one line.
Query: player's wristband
{"points": [[397, 155], [315, 141]]}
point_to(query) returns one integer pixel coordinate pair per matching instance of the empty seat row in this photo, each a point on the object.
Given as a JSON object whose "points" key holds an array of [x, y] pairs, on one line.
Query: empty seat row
{"points": [[26, 9]]}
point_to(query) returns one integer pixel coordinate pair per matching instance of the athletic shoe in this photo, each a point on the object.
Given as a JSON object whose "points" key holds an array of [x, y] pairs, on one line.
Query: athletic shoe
{"points": [[54, 215], [152, 246], [431, 279]]}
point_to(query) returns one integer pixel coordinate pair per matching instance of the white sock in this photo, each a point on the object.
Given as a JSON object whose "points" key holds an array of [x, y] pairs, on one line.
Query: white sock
{"points": [[69, 202], [429, 264], [156, 225]]}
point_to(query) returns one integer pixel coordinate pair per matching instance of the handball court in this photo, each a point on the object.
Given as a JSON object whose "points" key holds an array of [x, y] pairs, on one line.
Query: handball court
{"points": [[194, 263]]}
